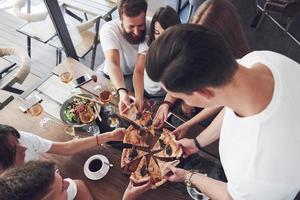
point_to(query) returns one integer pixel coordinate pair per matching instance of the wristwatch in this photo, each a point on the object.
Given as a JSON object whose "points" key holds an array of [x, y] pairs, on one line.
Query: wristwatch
{"points": [[188, 176]]}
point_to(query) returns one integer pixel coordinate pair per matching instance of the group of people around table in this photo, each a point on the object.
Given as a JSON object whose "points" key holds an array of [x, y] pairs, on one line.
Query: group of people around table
{"points": [[207, 63]]}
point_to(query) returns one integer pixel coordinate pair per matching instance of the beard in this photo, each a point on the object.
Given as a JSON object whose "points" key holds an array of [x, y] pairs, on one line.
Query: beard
{"points": [[134, 39]]}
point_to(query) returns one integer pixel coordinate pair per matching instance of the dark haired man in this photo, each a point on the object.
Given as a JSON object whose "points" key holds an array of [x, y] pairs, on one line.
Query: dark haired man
{"points": [[35, 180], [120, 39], [258, 129], [38, 180]]}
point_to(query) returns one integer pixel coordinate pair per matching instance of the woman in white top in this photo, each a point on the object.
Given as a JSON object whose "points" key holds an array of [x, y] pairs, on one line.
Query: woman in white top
{"points": [[162, 19]]}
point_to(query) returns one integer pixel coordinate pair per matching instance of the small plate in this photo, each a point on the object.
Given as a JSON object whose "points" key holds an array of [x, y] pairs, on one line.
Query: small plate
{"points": [[96, 175], [196, 194]]}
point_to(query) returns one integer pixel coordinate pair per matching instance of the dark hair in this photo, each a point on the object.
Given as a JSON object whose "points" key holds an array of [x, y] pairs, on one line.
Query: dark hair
{"points": [[166, 17], [29, 181], [132, 8], [188, 57], [7, 155], [222, 17]]}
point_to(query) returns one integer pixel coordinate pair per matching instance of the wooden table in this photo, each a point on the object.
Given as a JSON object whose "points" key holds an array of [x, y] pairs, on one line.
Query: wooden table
{"points": [[112, 186]]}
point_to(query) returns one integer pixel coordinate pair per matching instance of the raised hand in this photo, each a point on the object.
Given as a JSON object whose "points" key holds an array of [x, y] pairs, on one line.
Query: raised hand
{"points": [[139, 103], [188, 147], [175, 174], [181, 131], [161, 115], [117, 134], [124, 102], [132, 192]]}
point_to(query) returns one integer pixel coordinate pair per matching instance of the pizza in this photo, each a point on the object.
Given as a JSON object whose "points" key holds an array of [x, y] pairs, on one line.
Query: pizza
{"points": [[131, 154], [135, 136], [152, 150], [167, 142], [131, 113], [154, 169], [141, 171]]}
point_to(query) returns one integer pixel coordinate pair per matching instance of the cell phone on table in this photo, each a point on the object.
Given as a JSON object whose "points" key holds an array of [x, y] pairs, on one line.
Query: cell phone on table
{"points": [[82, 80], [174, 120]]}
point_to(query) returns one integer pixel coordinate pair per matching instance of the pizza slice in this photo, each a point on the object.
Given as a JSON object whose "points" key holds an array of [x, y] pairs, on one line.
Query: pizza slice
{"points": [[143, 119], [141, 171], [163, 166], [132, 166], [155, 173], [146, 119], [130, 154], [134, 136], [167, 142], [132, 113]]}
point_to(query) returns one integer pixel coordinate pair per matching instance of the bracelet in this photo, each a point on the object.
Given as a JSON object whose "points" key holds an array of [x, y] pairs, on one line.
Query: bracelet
{"points": [[97, 140], [187, 178], [118, 90], [197, 144], [167, 102]]}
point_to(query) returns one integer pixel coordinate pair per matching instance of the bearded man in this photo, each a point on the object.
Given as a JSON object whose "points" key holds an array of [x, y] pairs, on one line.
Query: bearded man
{"points": [[120, 39]]}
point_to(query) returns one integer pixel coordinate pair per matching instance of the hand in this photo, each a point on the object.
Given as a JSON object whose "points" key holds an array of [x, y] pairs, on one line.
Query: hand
{"points": [[124, 102], [175, 174], [188, 147], [132, 192], [139, 103], [161, 115], [117, 134], [181, 131]]}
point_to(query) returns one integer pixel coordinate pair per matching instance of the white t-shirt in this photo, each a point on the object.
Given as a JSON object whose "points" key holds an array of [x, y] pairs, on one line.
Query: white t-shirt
{"points": [[150, 86], [36, 145], [261, 153], [112, 38]]}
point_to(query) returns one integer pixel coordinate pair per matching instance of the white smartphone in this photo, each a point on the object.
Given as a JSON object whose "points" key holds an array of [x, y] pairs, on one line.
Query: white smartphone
{"points": [[82, 80], [174, 120]]}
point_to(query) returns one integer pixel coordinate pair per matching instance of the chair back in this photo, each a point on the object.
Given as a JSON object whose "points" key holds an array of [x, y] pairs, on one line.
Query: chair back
{"points": [[29, 17], [24, 66], [287, 8]]}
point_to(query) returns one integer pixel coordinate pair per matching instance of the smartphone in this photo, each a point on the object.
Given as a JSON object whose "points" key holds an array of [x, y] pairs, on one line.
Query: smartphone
{"points": [[174, 120], [82, 80]]}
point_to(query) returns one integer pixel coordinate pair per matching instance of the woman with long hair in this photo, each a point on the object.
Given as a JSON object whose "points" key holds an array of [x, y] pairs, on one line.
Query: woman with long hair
{"points": [[163, 18]]}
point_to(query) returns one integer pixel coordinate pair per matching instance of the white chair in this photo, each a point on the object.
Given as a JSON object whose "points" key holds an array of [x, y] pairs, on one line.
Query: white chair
{"points": [[39, 25], [22, 71], [83, 38]]}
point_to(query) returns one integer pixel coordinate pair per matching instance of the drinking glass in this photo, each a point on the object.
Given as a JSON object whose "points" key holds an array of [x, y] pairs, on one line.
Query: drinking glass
{"points": [[93, 129], [36, 110], [66, 76], [105, 97], [70, 130]]}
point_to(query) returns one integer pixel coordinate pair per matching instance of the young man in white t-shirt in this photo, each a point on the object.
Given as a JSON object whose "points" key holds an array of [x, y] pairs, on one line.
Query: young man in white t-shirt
{"points": [[259, 127], [120, 39]]}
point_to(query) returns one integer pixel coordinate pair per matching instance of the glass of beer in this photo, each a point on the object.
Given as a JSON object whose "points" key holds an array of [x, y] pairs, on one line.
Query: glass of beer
{"points": [[36, 109], [66, 76]]}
